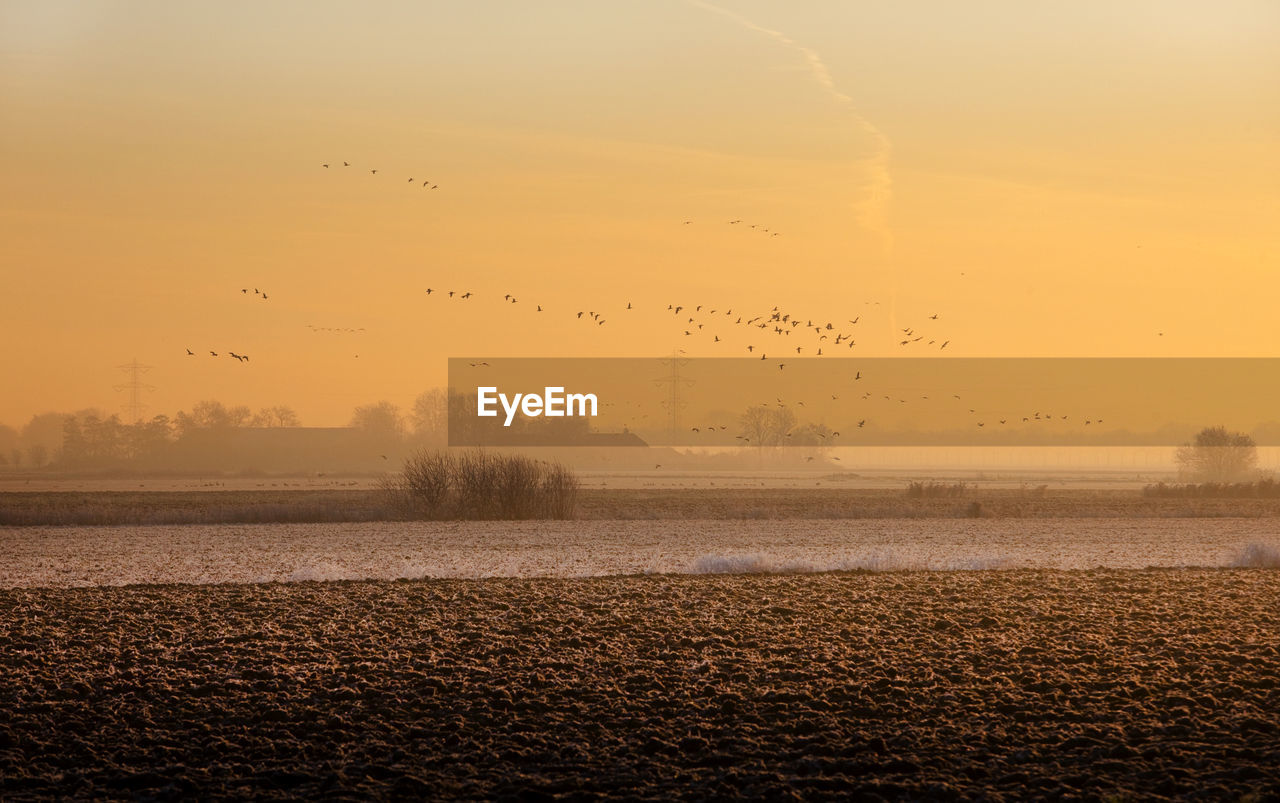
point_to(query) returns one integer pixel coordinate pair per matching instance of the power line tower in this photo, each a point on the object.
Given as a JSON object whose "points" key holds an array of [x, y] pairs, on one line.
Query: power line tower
{"points": [[674, 383], [134, 386]]}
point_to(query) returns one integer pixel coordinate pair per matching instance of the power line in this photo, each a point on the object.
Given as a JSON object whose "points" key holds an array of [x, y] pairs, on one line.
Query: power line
{"points": [[674, 383], [134, 386]]}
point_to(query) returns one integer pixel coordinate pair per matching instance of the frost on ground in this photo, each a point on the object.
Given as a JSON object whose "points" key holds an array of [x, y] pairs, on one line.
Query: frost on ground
{"points": [[247, 553]]}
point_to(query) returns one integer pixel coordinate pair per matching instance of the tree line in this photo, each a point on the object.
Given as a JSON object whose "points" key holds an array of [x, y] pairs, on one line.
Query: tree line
{"points": [[90, 440]]}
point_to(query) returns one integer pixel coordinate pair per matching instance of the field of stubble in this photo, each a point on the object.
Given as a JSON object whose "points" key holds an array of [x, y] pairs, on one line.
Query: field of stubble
{"points": [[1001, 684]]}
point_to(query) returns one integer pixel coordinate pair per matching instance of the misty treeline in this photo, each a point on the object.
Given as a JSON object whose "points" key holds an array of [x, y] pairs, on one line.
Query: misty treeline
{"points": [[212, 433], [764, 425]]}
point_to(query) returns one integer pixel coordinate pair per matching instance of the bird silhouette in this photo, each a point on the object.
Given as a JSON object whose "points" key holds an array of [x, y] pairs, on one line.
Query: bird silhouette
{"points": [[190, 353]]}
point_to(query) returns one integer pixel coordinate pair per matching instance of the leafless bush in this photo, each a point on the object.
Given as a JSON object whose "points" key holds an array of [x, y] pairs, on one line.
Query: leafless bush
{"points": [[482, 485], [923, 490]]}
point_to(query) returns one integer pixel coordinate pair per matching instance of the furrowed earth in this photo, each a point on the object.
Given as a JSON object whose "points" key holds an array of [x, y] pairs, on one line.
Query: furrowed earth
{"points": [[1001, 684]]}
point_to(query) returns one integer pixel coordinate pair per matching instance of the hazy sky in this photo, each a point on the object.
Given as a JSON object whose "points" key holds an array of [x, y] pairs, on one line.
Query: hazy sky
{"points": [[1050, 179]]}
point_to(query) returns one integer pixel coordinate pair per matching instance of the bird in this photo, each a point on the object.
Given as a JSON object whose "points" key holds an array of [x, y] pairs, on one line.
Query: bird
{"points": [[324, 165], [190, 353], [429, 291], [214, 353], [374, 171], [346, 164]]}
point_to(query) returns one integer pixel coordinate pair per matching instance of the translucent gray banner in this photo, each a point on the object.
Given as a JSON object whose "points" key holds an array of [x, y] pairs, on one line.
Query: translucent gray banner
{"points": [[827, 402]]}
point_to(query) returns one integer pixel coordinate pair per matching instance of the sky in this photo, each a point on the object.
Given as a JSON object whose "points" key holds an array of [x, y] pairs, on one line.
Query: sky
{"points": [[1088, 179]]}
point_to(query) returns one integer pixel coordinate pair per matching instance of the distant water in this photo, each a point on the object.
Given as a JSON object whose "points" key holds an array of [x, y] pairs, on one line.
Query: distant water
{"points": [[238, 553]]}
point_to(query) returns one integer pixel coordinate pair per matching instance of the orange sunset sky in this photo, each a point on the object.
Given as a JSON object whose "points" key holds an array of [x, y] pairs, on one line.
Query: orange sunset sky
{"points": [[1084, 179]]}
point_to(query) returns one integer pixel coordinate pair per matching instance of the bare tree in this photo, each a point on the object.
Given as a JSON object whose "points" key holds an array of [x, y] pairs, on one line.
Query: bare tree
{"points": [[430, 416], [1217, 456], [763, 425], [37, 454], [382, 418], [211, 414], [278, 416]]}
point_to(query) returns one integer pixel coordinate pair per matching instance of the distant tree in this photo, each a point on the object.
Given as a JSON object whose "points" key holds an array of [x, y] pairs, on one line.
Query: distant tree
{"points": [[8, 438], [212, 415], [44, 430], [381, 419], [1217, 456], [811, 435], [430, 416], [15, 457], [148, 441], [278, 416], [764, 425], [37, 454]]}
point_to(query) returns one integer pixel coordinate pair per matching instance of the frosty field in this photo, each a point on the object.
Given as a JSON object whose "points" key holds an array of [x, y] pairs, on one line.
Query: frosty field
{"points": [[240, 553]]}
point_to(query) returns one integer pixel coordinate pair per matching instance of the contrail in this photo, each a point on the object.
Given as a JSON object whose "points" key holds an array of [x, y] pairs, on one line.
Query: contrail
{"points": [[871, 213]]}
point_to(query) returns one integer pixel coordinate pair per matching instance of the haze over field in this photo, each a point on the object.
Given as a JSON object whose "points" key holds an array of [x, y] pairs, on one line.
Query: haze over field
{"points": [[1094, 183]]}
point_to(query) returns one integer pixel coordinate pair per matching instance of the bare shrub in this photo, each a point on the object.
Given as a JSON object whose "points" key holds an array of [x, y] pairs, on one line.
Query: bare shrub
{"points": [[481, 485], [923, 490]]}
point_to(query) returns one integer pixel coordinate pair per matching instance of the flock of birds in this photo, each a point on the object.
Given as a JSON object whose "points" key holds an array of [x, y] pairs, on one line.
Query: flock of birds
{"points": [[757, 227], [772, 336], [237, 357], [426, 184], [781, 329]]}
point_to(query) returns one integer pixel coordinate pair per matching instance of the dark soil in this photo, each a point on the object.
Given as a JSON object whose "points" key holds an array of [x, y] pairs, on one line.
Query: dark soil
{"points": [[904, 685]]}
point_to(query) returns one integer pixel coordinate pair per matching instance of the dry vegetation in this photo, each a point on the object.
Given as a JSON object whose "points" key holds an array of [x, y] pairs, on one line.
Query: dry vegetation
{"points": [[69, 508], [237, 507], [995, 685], [477, 485], [1261, 489], [930, 489]]}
